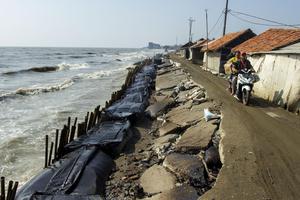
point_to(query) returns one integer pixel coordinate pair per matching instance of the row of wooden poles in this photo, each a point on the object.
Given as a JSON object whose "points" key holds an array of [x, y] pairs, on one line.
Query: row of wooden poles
{"points": [[67, 134], [11, 192]]}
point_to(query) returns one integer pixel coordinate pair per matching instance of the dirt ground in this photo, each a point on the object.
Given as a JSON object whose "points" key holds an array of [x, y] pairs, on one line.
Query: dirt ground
{"points": [[260, 148]]}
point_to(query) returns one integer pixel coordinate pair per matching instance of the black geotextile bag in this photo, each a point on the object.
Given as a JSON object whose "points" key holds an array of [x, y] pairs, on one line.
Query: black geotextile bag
{"points": [[80, 173], [129, 105], [66, 197], [110, 136]]}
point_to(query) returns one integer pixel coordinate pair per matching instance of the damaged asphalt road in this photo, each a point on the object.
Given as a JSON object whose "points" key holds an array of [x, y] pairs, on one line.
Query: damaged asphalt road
{"points": [[260, 147]]}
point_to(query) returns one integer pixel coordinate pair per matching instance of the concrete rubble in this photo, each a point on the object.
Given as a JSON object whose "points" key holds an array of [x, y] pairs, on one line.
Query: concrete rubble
{"points": [[177, 156], [157, 174]]}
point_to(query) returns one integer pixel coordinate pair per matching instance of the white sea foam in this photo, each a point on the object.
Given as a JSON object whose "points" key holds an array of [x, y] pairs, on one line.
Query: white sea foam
{"points": [[44, 89], [68, 66]]}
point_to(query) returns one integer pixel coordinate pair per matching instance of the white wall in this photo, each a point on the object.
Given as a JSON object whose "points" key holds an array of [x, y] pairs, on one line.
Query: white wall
{"points": [[191, 54], [279, 79], [213, 61]]}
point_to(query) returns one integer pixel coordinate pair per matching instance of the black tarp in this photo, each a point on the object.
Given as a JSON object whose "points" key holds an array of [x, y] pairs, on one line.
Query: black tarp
{"points": [[110, 136], [136, 95], [81, 172]]}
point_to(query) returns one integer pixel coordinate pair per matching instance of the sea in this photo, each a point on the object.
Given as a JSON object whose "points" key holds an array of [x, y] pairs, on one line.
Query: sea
{"points": [[41, 87]]}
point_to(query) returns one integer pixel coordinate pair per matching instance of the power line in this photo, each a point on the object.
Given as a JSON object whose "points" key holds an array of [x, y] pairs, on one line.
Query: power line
{"points": [[216, 22], [251, 22], [263, 19]]}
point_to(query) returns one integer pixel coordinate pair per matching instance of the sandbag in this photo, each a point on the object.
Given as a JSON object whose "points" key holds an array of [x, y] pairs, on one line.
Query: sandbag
{"points": [[82, 172], [110, 136], [65, 197]]}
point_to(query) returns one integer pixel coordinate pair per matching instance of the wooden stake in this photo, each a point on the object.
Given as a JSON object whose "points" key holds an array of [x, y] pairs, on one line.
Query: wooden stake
{"points": [[90, 121], [72, 135], [2, 196], [46, 151], [14, 190], [50, 154], [56, 144], [9, 190], [69, 124]]}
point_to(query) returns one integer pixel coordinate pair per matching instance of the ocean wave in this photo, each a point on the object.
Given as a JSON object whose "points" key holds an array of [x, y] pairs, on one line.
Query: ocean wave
{"points": [[37, 90], [34, 69], [44, 69], [67, 66]]}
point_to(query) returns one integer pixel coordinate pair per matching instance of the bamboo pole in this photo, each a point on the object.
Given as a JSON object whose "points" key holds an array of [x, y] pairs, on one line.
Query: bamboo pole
{"points": [[91, 119], [56, 144], [72, 134], [46, 151], [2, 197], [14, 190], [50, 154], [69, 124], [9, 190]]}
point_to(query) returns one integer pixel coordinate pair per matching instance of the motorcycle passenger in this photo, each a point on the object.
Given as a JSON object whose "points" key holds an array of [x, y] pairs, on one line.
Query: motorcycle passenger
{"points": [[241, 64], [233, 75]]}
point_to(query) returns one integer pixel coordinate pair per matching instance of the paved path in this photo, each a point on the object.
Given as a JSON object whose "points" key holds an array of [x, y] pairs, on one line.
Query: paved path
{"points": [[261, 147]]}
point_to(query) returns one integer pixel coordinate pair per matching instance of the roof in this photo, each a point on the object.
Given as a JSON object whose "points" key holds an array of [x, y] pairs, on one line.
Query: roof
{"points": [[269, 40], [199, 44], [187, 45], [229, 38]]}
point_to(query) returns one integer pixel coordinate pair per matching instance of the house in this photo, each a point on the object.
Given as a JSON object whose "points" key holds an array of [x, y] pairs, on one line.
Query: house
{"points": [[275, 56], [197, 54], [185, 50], [218, 50]]}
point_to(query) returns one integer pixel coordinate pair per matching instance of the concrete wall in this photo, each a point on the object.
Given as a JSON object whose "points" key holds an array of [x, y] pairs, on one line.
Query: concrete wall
{"points": [[182, 53], [191, 54], [213, 61], [279, 79]]}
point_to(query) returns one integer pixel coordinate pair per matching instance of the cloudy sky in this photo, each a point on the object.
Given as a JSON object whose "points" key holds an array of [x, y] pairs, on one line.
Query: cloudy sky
{"points": [[129, 23]]}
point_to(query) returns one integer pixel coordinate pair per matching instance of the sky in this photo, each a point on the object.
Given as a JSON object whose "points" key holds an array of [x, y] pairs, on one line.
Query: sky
{"points": [[128, 23]]}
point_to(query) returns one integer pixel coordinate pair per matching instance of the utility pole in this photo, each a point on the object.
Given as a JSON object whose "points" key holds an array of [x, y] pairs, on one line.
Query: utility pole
{"points": [[191, 20], [225, 18], [206, 17]]}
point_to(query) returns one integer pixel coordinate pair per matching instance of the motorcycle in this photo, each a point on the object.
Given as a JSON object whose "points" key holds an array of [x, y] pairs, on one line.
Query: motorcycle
{"points": [[245, 82]]}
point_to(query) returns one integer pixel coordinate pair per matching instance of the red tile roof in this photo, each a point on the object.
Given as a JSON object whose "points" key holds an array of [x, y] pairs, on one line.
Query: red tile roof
{"points": [[226, 39], [269, 40]]}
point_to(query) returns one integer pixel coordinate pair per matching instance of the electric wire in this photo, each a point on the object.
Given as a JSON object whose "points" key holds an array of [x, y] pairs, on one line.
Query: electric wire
{"points": [[263, 19], [248, 21], [218, 20]]}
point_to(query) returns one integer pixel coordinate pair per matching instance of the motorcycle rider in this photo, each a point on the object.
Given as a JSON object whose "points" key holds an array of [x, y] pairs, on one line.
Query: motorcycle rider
{"points": [[233, 75], [243, 63]]}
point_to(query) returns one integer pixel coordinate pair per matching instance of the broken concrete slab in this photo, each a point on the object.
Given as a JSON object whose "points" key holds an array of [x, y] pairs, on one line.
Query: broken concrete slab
{"points": [[159, 97], [184, 192], [168, 128], [157, 179], [159, 107], [181, 97], [196, 137], [188, 167], [169, 80], [184, 117], [165, 139], [166, 92]]}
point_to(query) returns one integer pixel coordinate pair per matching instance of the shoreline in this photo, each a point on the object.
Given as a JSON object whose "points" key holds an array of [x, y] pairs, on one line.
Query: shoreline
{"points": [[159, 154]]}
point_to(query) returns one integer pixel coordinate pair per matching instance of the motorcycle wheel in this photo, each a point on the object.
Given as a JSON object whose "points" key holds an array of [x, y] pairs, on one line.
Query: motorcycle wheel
{"points": [[245, 97]]}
